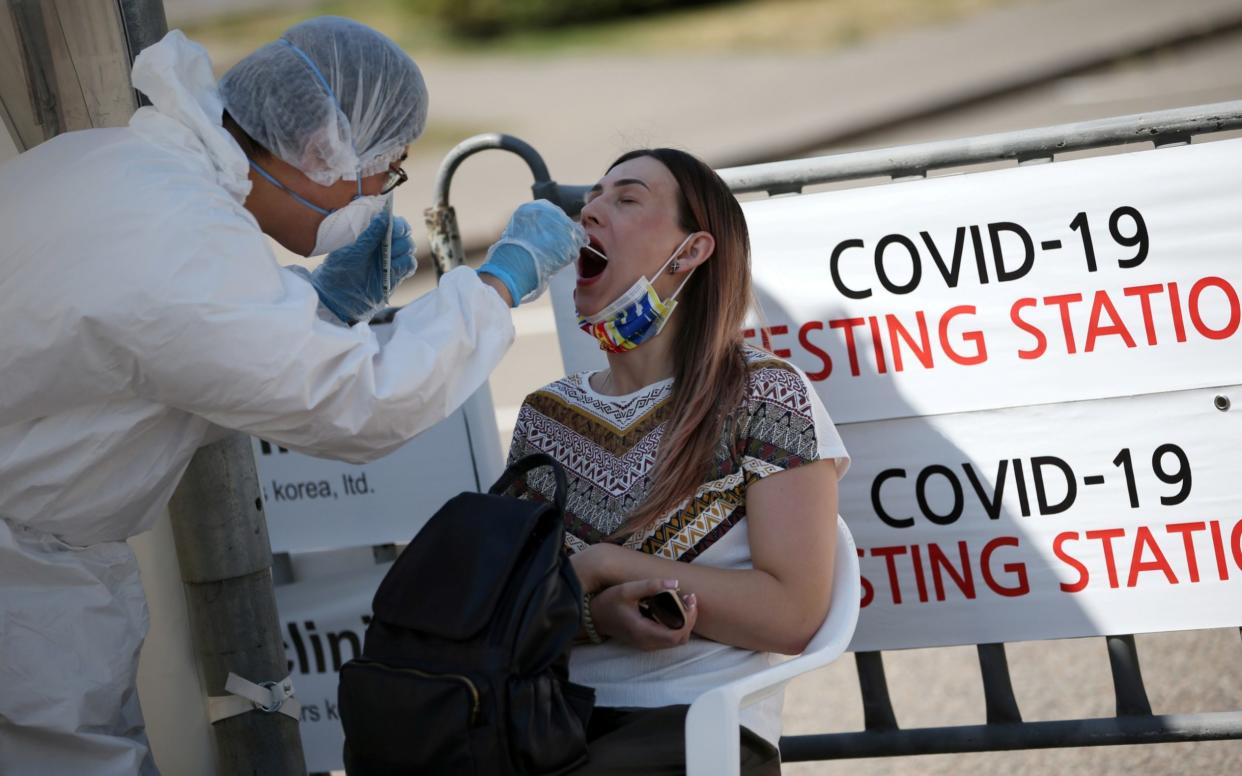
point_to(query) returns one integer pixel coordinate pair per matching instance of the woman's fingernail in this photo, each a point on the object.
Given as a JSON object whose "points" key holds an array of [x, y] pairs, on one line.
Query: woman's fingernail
{"points": [[692, 600], [671, 584]]}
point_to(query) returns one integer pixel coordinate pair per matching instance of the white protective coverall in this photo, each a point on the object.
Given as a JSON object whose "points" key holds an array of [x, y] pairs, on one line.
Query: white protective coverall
{"points": [[143, 311]]}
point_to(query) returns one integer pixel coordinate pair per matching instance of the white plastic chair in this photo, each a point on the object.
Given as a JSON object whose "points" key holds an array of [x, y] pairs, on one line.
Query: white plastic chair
{"points": [[712, 726]]}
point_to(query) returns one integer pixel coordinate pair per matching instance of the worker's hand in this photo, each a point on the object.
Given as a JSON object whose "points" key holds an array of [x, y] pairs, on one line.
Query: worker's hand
{"points": [[350, 281], [539, 240], [615, 614]]}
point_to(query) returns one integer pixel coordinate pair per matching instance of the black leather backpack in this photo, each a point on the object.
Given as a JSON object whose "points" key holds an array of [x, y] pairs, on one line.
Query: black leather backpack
{"points": [[464, 669]]}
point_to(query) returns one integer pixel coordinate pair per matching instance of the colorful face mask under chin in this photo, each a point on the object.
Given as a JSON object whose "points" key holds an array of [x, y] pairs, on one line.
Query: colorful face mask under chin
{"points": [[636, 316]]}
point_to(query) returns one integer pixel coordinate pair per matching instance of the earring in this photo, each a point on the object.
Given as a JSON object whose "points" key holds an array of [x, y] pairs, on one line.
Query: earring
{"points": [[672, 268]]}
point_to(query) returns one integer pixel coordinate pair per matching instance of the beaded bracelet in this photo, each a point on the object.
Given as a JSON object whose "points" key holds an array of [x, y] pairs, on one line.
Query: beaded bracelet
{"points": [[587, 623]]}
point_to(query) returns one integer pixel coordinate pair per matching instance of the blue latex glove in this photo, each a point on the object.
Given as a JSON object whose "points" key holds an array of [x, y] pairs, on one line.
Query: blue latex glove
{"points": [[350, 280], [539, 240]]}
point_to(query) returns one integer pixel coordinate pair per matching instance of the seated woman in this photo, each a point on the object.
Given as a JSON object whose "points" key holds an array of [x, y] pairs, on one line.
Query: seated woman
{"points": [[696, 463]]}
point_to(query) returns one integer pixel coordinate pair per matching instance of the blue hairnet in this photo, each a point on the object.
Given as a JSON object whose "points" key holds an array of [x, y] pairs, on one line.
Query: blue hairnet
{"points": [[332, 97]]}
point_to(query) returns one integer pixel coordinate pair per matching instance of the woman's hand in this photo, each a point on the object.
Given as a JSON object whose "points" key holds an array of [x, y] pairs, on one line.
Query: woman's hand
{"points": [[615, 614]]}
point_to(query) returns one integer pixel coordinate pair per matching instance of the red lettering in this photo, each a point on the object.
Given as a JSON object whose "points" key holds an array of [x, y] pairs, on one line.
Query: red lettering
{"points": [[824, 358], [1235, 543], [976, 337], [868, 591], [776, 331], [889, 555], [1222, 568], [1144, 294], [1175, 308], [1188, 543], [1083, 574], [1138, 565], [1235, 313], [1041, 342], [1106, 537], [851, 349], [916, 557], [923, 353], [1063, 301], [1017, 569], [1102, 304], [965, 581], [878, 343]]}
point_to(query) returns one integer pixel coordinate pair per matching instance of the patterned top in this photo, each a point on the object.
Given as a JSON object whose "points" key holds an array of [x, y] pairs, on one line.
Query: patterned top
{"points": [[608, 446]]}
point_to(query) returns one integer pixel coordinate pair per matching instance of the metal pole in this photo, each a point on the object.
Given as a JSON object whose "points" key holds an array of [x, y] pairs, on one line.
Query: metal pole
{"points": [[442, 230], [1157, 127], [226, 564]]}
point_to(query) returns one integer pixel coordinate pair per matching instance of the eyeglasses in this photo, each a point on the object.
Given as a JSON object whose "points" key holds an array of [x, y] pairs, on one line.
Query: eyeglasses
{"points": [[396, 176]]}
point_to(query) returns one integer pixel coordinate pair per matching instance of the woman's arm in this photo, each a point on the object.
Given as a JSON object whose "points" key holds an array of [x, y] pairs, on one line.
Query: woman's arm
{"points": [[779, 604]]}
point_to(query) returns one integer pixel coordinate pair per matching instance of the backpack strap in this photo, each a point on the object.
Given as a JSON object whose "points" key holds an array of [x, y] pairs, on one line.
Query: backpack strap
{"points": [[534, 461]]}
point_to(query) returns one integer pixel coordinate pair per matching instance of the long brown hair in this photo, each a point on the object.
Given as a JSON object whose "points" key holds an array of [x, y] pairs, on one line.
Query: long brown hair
{"points": [[709, 374]]}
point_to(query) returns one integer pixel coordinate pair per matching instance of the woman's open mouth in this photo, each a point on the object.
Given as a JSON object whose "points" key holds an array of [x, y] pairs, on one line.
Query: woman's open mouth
{"points": [[592, 261]]}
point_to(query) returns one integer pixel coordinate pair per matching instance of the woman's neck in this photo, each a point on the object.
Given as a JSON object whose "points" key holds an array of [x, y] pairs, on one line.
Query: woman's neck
{"points": [[635, 369]]}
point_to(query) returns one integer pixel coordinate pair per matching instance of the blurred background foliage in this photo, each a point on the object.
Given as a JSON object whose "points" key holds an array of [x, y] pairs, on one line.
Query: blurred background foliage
{"points": [[490, 18], [589, 27], [487, 29]]}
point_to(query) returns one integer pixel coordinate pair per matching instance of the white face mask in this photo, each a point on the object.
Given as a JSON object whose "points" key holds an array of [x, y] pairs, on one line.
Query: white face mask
{"points": [[345, 225], [340, 227]]}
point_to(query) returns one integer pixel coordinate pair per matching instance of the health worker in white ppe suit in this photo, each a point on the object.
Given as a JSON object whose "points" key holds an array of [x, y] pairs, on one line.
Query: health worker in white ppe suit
{"points": [[143, 311]]}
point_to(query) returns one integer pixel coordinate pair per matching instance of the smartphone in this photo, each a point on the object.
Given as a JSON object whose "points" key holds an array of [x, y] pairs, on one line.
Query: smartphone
{"points": [[666, 608]]}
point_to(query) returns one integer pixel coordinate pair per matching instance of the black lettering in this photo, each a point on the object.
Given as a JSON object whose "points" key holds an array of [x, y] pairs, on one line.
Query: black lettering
{"points": [[920, 493], [1071, 487], [895, 522], [1019, 476], [950, 274], [993, 505], [1028, 247], [976, 240], [916, 272], [299, 647], [835, 270], [316, 645], [334, 644]]}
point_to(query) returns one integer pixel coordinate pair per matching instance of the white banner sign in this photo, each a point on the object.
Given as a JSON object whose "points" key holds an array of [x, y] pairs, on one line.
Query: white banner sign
{"points": [[978, 339], [318, 504], [1089, 518], [1032, 285]]}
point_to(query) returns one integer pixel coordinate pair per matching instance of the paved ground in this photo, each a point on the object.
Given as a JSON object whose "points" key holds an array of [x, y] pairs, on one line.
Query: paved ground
{"points": [[581, 112]]}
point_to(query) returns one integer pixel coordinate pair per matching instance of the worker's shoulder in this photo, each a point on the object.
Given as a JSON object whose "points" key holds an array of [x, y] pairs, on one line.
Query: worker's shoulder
{"points": [[126, 181], [127, 168]]}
